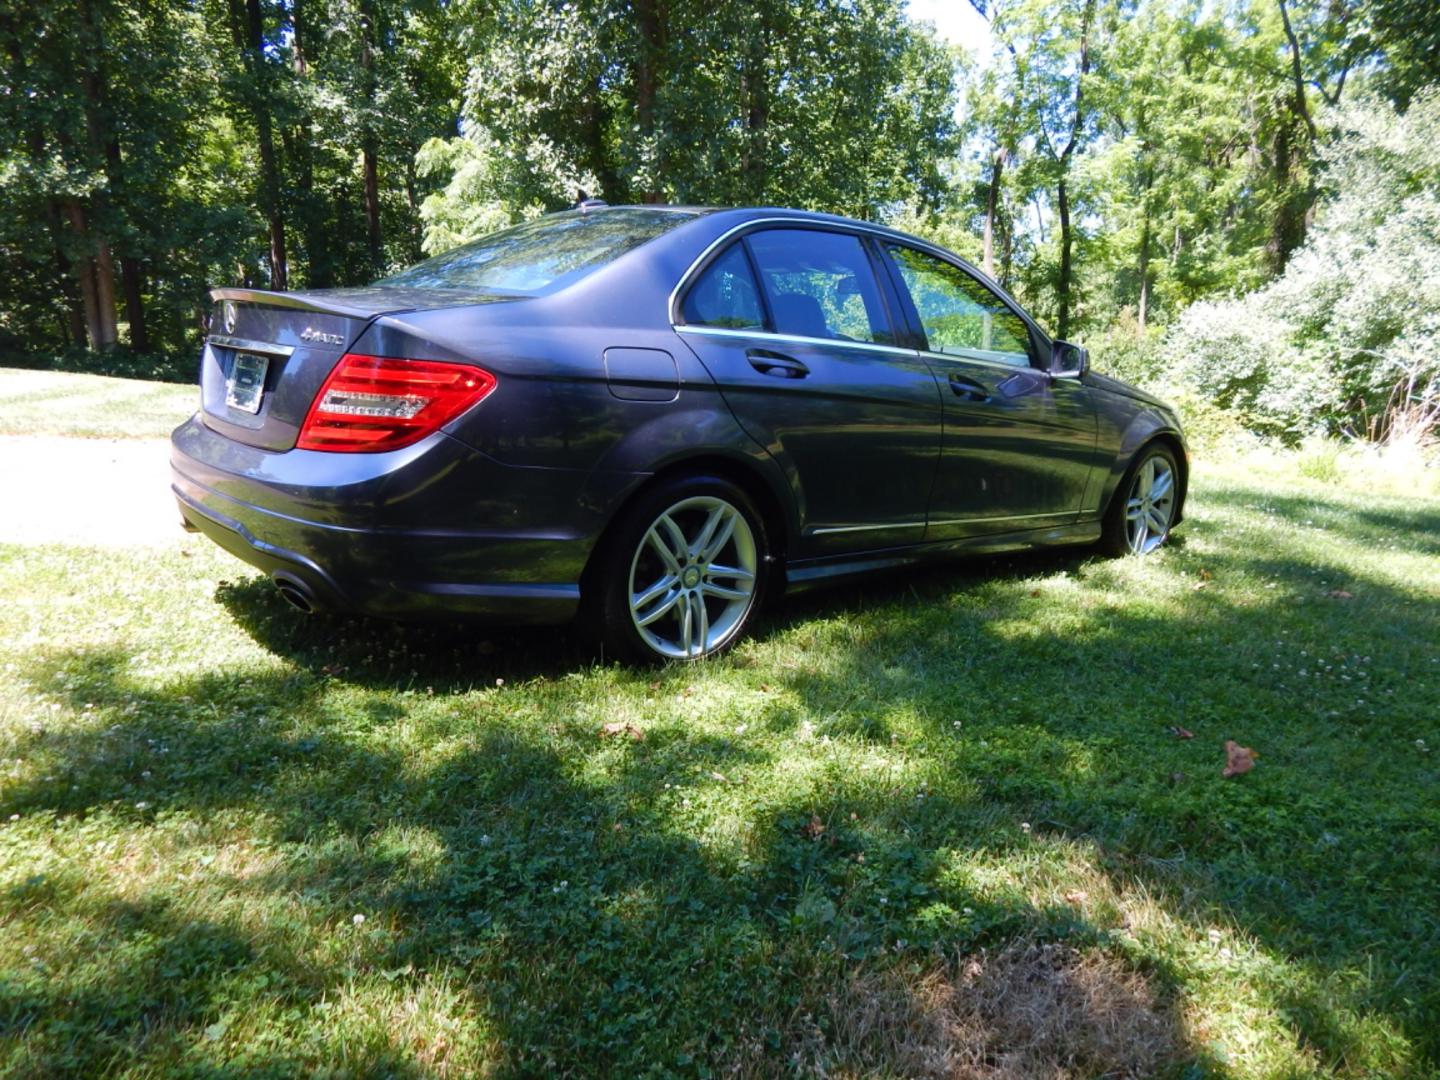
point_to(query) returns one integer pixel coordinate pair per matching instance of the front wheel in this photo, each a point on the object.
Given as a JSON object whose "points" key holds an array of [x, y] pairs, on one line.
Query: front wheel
{"points": [[682, 573], [1143, 509]]}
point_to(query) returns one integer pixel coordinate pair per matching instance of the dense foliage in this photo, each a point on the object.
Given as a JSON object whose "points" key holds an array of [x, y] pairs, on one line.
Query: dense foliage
{"points": [[1349, 335], [1113, 162]]}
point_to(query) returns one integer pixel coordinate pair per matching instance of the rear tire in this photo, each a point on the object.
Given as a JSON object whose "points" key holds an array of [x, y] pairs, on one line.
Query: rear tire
{"points": [[1143, 508], [681, 573]]}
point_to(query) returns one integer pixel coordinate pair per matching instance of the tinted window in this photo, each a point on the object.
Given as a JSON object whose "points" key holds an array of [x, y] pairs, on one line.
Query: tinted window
{"points": [[725, 294], [819, 284], [548, 252], [959, 314]]}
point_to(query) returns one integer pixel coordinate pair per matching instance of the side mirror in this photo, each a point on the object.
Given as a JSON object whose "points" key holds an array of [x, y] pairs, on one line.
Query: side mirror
{"points": [[1068, 361]]}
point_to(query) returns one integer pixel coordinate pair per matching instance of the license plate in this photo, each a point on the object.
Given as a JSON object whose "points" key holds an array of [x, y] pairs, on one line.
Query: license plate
{"points": [[247, 382]]}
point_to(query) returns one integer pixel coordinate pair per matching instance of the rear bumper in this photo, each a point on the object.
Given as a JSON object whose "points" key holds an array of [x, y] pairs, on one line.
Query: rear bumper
{"points": [[436, 530]]}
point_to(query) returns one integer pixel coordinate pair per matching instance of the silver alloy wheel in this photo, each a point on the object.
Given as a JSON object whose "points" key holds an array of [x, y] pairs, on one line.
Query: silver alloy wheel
{"points": [[692, 578], [1151, 505]]}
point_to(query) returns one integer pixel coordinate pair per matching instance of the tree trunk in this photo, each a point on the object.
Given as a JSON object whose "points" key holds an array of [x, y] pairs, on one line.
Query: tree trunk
{"points": [[77, 334], [319, 271], [650, 19], [1062, 191], [1291, 159], [1144, 267], [755, 99], [99, 329], [992, 204], [75, 325], [372, 204], [1287, 230], [1062, 199], [1144, 275], [103, 147], [369, 152], [248, 28]]}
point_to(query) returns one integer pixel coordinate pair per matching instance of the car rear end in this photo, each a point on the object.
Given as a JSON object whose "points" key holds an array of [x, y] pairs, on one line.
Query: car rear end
{"points": [[330, 463]]}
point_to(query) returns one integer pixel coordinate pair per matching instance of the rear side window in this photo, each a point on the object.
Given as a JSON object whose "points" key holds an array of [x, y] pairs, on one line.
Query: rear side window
{"points": [[725, 295], [959, 314], [820, 285], [545, 254]]}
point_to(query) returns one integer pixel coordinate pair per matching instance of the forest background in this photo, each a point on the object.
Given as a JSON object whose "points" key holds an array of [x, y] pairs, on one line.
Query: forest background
{"points": [[1237, 203]]}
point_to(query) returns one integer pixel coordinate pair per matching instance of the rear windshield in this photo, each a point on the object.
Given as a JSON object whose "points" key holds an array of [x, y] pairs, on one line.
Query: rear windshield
{"points": [[545, 254]]}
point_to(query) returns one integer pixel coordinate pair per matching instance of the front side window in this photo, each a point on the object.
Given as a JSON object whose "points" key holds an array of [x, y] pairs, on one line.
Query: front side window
{"points": [[820, 285], [541, 255], [725, 295], [960, 315]]}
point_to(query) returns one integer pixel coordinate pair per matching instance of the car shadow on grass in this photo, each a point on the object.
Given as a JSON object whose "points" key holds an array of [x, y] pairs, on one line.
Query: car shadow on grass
{"points": [[459, 656]]}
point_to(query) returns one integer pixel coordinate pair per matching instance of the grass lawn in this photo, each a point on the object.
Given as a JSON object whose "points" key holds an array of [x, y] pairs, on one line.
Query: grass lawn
{"points": [[935, 826], [91, 406]]}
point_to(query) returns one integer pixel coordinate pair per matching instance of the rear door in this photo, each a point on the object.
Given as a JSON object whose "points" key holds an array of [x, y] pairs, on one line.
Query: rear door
{"points": [[1018, 445], [798, 331]]}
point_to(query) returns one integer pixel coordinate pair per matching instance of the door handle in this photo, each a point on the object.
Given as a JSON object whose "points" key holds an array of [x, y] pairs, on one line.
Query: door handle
{"points": [[967, 389], [777, 364]]}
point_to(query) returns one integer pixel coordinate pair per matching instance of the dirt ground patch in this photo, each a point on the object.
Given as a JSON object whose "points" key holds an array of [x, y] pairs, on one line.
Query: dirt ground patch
{"points": [[93, 492], [1028, 1011]]}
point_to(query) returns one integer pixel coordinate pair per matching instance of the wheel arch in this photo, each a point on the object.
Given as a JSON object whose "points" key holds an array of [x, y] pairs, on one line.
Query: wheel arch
{"points": [[1172, 441], [744, 473]]}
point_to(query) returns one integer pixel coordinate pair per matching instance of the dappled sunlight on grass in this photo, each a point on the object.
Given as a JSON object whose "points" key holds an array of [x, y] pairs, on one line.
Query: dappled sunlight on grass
{"points": [[412, 849]]}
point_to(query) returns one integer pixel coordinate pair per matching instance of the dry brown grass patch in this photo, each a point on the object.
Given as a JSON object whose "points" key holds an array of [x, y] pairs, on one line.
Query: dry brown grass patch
{"points": [[1026, 1011]]}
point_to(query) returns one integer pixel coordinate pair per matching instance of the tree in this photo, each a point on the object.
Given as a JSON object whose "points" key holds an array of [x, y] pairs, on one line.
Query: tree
{"points": [[847, 107]]}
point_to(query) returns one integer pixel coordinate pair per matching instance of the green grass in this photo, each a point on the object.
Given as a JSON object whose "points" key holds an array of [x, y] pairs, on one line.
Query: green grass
{"points": [[234, 842], [91, 406]]}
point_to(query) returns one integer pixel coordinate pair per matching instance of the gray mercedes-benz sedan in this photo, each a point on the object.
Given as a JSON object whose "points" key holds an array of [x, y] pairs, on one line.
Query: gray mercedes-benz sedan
{"points": [[653, 418]]}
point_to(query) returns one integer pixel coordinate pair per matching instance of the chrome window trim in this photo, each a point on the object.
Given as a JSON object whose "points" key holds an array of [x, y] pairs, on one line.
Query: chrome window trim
{"points": [[806, 223], [989, 285], [250, 346], [996, 364], [725, 331]]}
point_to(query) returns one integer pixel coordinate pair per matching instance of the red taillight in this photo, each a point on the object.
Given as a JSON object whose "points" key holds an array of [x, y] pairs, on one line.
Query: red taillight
{"points": [[372, 403]]}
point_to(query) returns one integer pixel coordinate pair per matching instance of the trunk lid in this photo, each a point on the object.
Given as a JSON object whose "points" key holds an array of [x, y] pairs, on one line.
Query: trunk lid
{"points": [[268, 353]]}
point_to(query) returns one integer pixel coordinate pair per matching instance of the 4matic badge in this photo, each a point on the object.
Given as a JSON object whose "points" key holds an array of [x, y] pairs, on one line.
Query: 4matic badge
{"points": [[318, 338]]}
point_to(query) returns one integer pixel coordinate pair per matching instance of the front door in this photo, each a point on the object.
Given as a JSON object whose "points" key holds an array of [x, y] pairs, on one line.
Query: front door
{"points": [[1018, 444], [797, 331]]}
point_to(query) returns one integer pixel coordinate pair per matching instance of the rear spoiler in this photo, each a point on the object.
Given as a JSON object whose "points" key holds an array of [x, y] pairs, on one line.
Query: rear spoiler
{"points": [[293, 301]]}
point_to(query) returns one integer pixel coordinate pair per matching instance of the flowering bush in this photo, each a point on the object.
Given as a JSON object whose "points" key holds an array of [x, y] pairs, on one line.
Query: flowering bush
{"points": [[1347, 340]]}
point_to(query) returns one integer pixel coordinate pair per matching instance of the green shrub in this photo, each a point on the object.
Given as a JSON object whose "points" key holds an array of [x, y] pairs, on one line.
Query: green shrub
{"points": [[119, 362], [1350, 333]]}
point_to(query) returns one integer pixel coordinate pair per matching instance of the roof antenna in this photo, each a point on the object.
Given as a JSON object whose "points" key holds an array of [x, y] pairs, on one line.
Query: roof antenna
{"points": [[584, 203]]}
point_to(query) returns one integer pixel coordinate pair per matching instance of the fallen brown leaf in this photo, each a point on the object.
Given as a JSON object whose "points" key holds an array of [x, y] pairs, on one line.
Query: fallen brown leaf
{"points": [[814, 827], [1205, 575], [619, 727], [1076, 896], [1340, 594], [1034, 592], [1180, 732], [1200, 585], [1238, 759], [720, 776]]}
